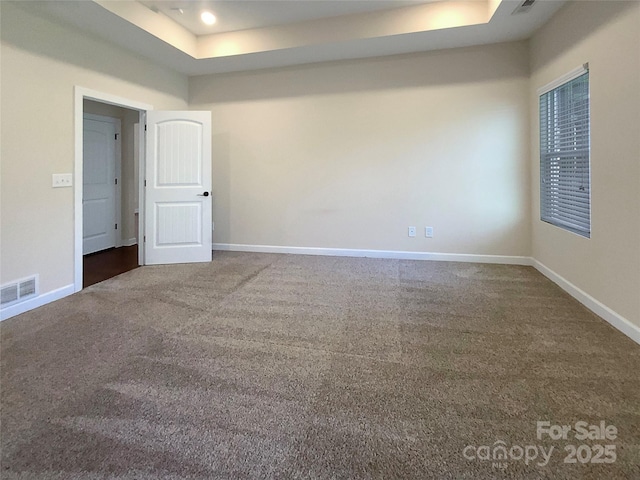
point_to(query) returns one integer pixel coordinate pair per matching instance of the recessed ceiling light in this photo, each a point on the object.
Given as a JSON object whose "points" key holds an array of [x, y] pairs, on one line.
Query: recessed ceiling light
{"points": [[208, 18]]}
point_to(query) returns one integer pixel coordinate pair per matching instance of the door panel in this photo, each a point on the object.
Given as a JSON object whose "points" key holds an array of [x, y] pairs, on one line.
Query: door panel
{"points": [[178, 186], [98, 190], [179, 159]]}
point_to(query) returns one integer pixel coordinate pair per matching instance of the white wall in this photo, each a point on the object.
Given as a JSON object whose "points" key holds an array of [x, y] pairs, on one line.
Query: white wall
{"points": [[41, 62], [607, 36], [349, 154]]}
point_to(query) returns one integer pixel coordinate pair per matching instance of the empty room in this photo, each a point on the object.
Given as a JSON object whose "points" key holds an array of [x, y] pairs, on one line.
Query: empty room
{"points": [[320, 239]]}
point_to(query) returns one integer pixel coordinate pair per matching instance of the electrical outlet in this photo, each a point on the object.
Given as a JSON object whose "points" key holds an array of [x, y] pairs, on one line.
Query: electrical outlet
{"points": [[60, 180], [428, 232], [412, 231]]}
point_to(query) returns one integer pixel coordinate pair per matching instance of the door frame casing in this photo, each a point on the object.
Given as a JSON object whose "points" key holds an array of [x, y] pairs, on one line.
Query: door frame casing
{"points": [[80, 94], [117, 169]]}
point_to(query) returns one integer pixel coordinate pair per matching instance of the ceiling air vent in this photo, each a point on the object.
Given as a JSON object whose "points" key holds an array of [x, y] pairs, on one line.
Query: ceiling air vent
{"points": [[18, 291], [524, 7]]}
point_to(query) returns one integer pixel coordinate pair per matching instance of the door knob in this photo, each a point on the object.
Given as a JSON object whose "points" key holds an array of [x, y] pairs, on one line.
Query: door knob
{"points": [[205, 194]]}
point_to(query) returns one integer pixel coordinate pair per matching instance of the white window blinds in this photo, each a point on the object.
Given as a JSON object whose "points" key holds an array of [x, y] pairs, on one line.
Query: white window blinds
{"points": [[564, 155]]}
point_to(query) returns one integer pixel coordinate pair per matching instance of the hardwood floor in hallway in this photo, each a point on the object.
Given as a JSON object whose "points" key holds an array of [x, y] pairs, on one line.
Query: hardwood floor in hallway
{"points": [[100, 266]]}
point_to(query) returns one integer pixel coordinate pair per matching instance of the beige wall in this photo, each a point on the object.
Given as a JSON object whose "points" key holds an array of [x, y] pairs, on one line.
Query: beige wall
{"points": [[607, 36], [349, 154], [129, 201], [41, 62]]}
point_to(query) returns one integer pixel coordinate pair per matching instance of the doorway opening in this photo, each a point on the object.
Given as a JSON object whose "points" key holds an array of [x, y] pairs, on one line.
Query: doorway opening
{"points": [[105, 194], [110, 193], [174, 193]]}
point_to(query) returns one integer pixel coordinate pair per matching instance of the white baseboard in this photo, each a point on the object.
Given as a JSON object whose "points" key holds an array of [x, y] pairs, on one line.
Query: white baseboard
{"points": [[616, 320], [399, 255], [36, 302], [129, 243]]}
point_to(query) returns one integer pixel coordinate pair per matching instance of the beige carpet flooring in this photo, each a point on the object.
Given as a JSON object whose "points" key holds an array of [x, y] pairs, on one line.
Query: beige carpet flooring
{"points": [[276, 366]]}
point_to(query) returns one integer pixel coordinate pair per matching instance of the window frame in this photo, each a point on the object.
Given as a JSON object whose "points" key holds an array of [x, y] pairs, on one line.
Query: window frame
{"points": [[565, 152]]}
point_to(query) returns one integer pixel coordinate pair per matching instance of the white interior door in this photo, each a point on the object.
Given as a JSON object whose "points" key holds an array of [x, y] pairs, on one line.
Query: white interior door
{"points": [[99, 184], [178, 187]]}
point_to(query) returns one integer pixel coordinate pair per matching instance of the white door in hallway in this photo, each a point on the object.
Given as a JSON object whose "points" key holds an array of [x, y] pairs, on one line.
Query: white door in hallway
{"points": [[178, 187], [99, 187]]}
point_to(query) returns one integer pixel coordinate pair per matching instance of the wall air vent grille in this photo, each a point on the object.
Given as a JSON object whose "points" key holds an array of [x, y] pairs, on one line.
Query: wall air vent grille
{"points": [[9, 294], [28, 287], [19, 291], [524, 7]]}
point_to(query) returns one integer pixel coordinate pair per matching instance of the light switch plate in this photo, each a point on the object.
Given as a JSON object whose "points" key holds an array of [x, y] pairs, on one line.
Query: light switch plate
{"points": [[60, 180]]}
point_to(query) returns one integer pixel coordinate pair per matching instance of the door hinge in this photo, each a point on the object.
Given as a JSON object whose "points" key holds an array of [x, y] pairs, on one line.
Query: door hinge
{"points": [[116, 226], [116, 136], [144, 238], [116, 181], [145, 127], [145, 183]]}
